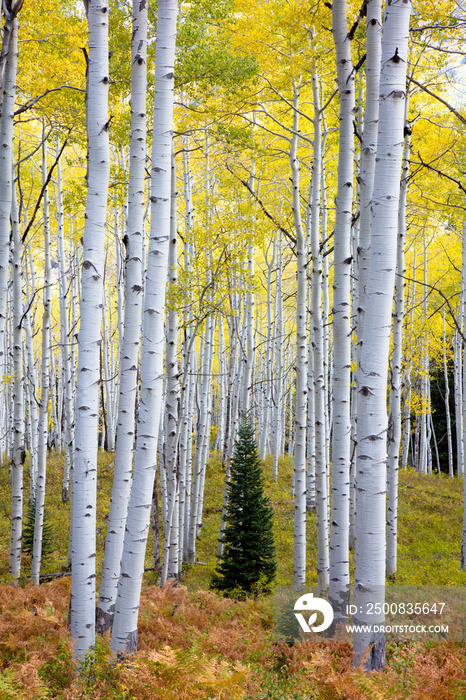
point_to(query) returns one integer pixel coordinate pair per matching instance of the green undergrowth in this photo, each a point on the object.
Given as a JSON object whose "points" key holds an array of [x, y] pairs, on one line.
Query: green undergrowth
{"points": [[429, 524]]}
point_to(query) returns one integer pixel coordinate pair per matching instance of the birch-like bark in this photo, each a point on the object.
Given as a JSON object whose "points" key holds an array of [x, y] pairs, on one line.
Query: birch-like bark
{"points": [[55, 429], [407, 378], [457, 361], [424, 379], [19, 452], [65, 340], [82, 607], [107, 404], [10, 12], [129, 343], [320, 456], [172, 407], [6, 189], [373, 362], [447, 402], [279, 338], [299, 461], [205, 442], [463, 300], [187, 388], [368, 148], [45, 393], [248, 348], [341, 428], [325, 305], [223, 386], [124, 633], [31, 381], [394, 430], [268, 362]]}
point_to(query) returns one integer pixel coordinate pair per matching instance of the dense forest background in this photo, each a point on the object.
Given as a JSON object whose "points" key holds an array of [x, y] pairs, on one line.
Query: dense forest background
{"points": [[218, 209]]}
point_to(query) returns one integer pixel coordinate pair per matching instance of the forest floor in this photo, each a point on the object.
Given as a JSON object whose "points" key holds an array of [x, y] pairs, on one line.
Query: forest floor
{"points": [[194, 643]]}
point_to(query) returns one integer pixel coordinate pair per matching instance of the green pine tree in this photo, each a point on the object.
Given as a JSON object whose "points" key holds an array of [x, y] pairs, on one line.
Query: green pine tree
{"points": [[248, 564], [28, 532]]}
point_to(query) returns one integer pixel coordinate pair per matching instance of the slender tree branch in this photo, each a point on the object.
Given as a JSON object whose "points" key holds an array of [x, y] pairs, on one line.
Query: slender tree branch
{"points": [[439, 291], [44, 187], [439, 172], [30, 104], [440, 99], [261, 204]]}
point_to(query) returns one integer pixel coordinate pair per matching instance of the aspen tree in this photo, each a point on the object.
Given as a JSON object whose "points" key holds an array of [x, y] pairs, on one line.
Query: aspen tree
{"points": [[394, 430], [129, 347], [447, 401], [31, 381], [457, 375], [407, 379], [373, 362], [124, 633], [108, 376], [170, 565], [6, 185], [268, 360], [65, 340], [463, 300], [19, 452], [368, 147], [278, 389], [424, 378], [10, 12], [82, 606], [187, 387], [207, 405], [223, 387], [318, 379], [248, 351], [341, 426], [299, 461], [39, 494]]}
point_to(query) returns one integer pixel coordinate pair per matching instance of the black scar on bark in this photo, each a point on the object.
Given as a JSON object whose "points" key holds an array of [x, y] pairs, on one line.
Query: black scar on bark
{"points": [[104, 620]]}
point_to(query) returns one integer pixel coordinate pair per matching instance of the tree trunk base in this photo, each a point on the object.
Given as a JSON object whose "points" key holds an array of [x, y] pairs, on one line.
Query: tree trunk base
{"points": [[104, 620]]}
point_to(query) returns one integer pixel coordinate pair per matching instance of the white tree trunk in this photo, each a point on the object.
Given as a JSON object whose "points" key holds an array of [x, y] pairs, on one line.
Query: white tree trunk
{"points": [[82, 607], [19, 452], [373, 363], [457, 359], [44, 397], [320, 456], [124, 633], [31, 382], [172, 408], [463, 270], [447, 402], [129, 342], [299, 461], [279, 346], [65, 341], [368, 148], [6, 189], [394, 432], [341, 428]]}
